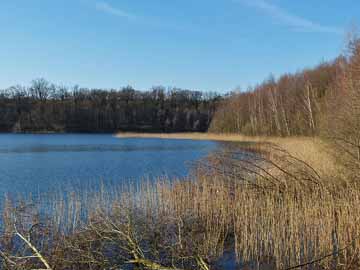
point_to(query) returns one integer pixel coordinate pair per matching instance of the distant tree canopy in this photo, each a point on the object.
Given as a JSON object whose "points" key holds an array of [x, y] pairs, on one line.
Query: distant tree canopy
{"points": [[305, 103], [45, 107]]}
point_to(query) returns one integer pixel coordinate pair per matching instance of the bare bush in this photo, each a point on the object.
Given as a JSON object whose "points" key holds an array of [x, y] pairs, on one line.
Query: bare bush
{"points": [[343, 125]]}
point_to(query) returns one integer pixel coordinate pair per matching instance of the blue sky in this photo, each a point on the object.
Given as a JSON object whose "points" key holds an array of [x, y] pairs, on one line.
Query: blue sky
{"points": [[211, 45]]}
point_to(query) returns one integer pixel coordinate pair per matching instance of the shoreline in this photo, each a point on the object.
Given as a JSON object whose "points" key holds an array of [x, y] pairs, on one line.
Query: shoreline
{"points": [[194, 136]]}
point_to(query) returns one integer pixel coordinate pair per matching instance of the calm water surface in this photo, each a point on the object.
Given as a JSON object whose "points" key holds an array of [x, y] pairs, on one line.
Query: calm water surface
{"points": [[39, 163]]}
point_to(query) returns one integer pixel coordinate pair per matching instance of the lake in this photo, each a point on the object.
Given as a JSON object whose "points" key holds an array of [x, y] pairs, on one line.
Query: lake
{"points": [[40, 163]]}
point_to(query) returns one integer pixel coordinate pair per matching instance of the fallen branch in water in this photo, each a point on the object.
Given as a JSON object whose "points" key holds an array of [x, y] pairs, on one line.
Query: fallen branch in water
{"points": [[34, 249]]}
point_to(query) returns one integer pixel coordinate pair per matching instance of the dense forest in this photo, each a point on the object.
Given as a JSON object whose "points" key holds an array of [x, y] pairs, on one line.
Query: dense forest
{"points": [[306, 103], [45, 107]]}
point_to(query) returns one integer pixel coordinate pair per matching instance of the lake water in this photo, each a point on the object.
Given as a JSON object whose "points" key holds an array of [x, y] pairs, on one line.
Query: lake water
{"points": [[39, 163]]}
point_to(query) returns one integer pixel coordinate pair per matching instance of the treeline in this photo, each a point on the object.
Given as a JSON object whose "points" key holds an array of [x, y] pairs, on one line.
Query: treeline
{"points": [[45, 107], [306, 103], [294, 104]]}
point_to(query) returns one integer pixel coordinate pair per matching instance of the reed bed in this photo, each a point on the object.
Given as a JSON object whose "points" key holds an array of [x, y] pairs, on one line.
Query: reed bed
{"points": [[274, 210]]}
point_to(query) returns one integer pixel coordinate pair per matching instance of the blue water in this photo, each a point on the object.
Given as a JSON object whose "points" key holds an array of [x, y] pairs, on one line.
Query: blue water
{"points": [[40, 163]]}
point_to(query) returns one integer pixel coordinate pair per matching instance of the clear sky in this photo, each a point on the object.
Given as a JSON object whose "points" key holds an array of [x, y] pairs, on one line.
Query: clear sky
{"points": [[211, 45]]}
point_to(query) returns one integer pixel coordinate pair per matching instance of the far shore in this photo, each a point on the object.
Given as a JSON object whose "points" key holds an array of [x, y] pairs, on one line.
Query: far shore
{"points": [[228, 137], [192, 136]]}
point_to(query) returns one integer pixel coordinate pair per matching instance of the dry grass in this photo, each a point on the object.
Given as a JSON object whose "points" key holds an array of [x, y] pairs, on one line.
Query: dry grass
{"points": [[191, 136], [187, 220]]}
